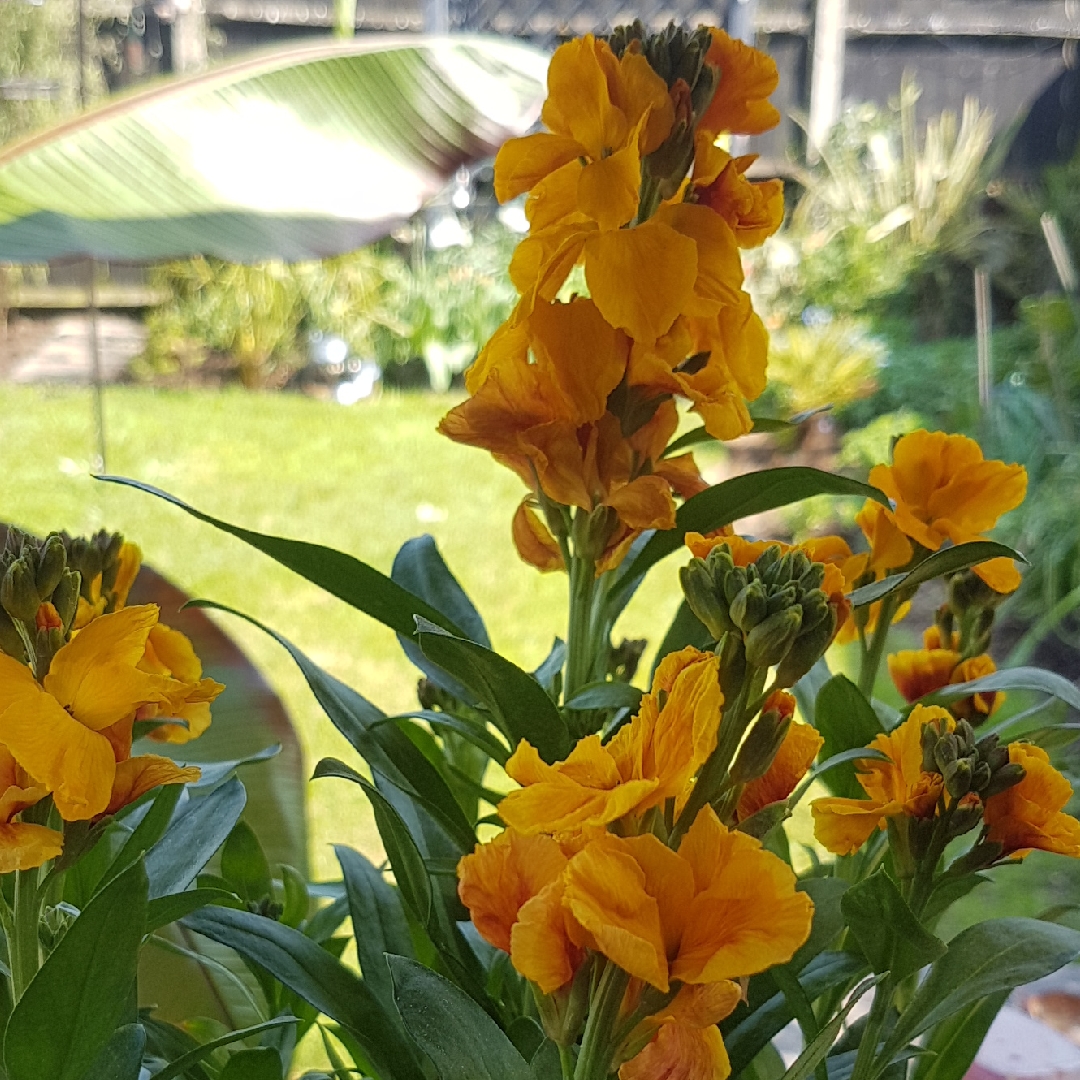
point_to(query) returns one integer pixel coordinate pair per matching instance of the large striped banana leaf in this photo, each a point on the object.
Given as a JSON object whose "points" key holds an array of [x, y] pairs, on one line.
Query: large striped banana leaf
{"points": [[304, 152]]}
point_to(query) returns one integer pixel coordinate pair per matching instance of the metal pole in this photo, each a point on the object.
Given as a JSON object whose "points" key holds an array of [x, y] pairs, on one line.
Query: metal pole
{"points": [[436, 16], [98, 464], [983, 316]]}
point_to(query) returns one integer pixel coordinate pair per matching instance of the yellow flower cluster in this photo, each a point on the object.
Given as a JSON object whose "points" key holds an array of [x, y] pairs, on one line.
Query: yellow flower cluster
{"points": [[577, 394], [69, 735], [589, 869]]}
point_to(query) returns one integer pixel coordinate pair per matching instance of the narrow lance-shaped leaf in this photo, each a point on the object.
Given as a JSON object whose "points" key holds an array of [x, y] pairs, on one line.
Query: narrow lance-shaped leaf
{"points": [[313, 974], [401, 771], [73, 1005], [518, 703], [1022, 678], [734, 499], [950, 560], [462, 1042], [359, 585], [984, 960]]}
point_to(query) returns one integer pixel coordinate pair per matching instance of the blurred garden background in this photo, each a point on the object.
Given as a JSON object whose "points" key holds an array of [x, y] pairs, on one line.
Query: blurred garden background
{"points": [[925, 277]]}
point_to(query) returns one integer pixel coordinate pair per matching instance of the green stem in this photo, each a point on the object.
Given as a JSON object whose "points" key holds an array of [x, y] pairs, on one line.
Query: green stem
{"points": [[580, 647], [597, 1044], [871, 660], [865, 1059], [24, 948], [566, 1060]]}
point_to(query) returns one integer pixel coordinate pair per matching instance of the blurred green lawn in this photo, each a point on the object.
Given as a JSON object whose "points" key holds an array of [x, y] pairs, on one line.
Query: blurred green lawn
{"points": [[362, 479]]}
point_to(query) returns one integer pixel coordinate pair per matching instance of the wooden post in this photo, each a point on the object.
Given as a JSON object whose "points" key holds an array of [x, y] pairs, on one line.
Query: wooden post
{"points": [[826, 72]]}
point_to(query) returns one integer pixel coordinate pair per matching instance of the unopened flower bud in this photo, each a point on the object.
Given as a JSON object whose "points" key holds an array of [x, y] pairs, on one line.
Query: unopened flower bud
{"points": [[780, 598], [48, 618], [11, 644], [759, 747], [768, 643], [945, 753], [808, 649], [51, 565], [734, 582], [980, 776], [18, 592], [749, 607], [697, 586], [65, 597], [929, 741], [958, 777], [1006, 777]]}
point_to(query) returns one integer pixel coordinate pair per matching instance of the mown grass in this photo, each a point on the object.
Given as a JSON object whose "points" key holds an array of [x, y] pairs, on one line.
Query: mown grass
{"points": [[363, 480]]}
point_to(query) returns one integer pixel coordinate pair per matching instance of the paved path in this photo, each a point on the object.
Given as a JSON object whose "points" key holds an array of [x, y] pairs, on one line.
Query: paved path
{"points": [[57, 349]]}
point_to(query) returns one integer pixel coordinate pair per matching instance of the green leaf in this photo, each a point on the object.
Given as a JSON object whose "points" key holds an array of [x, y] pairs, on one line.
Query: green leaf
{"points": [[168, 909], [359, 585], [1021, 678], [891, 937], [405, 857], [174, 861], [685, 629], [258, 1063], [465, 726], [519, 705], [545, 1063], [244, 865], [198, 166], [121, 1057], [828, 921], [734, 499], [953, 1044], [948, 891], [747, 1037], [846, 721], [213, 772], [606, 695], [402, 773], [180, 1065], [818, 1048], [379, 923], [949, 560], [312, 973], [73, 1005], [982, 961], [699, 435], [149, 830], [420, 568], [809, 686], [438, 1015]]}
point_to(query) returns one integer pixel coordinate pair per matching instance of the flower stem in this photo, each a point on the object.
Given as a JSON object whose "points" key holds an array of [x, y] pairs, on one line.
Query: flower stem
{"points": [[597, 1044], [871, 659], [566, 1060], [25, 951], [879, 1011]]}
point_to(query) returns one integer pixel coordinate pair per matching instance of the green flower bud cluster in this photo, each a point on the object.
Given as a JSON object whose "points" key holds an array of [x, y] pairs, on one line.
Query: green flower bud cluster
{"points": [[967, 766], [678, 57], [39, 596], [98, 554], [776, 606], [969, 611]]}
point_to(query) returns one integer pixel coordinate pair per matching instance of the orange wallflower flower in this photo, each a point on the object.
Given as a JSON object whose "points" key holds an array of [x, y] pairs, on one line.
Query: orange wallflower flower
{"points": [[650, 760], [687, 1043], [754, 211], [721, 907], [23, 845], [70, 733], [792, 762], [918, 672], [943, 489], [1030, 814], [896, 787], [602, 115], [747, 77], [512, 887]]}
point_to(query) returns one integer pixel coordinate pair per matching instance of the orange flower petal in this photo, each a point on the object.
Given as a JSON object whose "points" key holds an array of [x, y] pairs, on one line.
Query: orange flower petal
{"points": [[24, 846], [792, 762], [138, 775], [641, 278], [523, 163], [540, 948], [534, 541], [497, 878], [605, 894], [680, 1052], [842, 826], [918, 672], [747, 78]]}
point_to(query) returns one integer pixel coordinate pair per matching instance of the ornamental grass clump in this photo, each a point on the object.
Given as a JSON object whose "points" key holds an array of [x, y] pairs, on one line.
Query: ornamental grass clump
{"points": [[588, 873]]}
